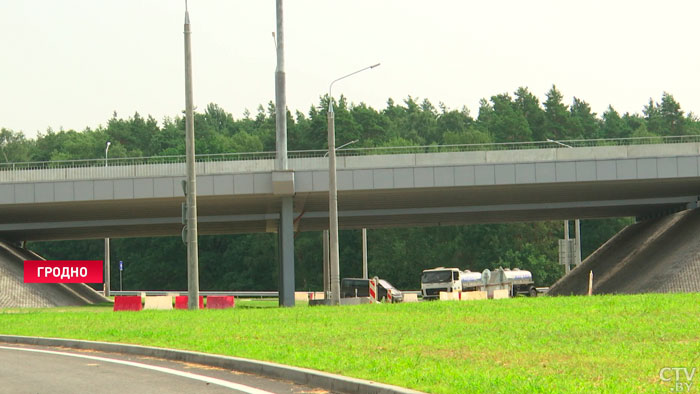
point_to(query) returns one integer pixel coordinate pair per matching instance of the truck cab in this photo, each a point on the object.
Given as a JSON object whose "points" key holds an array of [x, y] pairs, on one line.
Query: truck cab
{"points": [[435, 280]]}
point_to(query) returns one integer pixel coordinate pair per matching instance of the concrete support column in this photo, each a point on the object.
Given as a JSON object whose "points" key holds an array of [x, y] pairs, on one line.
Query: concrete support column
{"points": [[106, 268], [286, 253]]}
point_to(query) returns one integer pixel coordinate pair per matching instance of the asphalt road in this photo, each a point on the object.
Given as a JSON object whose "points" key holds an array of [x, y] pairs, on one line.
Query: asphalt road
{"points": [[30, 369]]}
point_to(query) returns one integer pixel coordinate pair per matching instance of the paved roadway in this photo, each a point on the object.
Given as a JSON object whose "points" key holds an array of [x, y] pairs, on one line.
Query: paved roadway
{"points": [[30, 369]]}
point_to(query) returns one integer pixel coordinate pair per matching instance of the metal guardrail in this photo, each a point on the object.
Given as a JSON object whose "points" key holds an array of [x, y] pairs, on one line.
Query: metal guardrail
{"points": [[320, 153], [519, 145], [244, 294]]}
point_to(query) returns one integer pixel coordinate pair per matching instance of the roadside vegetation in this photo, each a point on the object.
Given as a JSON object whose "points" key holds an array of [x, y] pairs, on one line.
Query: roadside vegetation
{"points": [[613, 344]]}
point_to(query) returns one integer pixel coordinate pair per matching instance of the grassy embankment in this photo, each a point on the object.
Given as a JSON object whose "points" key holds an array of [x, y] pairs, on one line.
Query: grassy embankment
{"points": [[563, 344]]}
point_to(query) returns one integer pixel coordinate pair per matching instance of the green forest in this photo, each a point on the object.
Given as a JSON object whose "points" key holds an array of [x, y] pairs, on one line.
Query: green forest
{"points": [[249, 261]]}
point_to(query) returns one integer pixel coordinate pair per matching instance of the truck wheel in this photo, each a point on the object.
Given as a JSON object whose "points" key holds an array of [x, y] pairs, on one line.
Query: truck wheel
{"points": [[532, 292]]}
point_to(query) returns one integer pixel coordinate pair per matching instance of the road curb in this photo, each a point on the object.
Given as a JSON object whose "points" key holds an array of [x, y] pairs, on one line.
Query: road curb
{"points": [[298, 375]]}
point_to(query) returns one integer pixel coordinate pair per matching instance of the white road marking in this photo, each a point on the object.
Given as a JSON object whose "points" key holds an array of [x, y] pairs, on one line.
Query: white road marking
{"points": [[219, 382]]}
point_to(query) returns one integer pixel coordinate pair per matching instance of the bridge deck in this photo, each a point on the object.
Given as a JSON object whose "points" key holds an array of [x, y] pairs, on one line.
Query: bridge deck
{"points": [[408, 189]]}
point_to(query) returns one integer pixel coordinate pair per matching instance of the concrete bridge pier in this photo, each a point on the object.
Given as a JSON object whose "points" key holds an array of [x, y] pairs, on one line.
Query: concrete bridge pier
{"points": [[286, 253]]}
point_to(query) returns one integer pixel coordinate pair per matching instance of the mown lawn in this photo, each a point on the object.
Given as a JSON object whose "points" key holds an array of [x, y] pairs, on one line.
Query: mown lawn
{"points": [[521, 345]]}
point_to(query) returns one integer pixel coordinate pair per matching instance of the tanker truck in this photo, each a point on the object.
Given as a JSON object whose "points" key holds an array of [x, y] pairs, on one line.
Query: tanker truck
{"points": [[515, 280], [435, 280]]}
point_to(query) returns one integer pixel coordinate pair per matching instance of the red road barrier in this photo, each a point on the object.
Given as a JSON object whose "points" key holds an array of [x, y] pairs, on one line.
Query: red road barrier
{"points": [[373, 289], [181, 302], [127, 303], [220, 302]]}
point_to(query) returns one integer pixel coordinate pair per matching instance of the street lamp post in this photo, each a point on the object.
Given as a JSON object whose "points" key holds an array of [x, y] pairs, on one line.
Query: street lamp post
{"points": [[106, 262], [333, 194], [191, 185], [577, 223], [365, 274], [326, 269]]}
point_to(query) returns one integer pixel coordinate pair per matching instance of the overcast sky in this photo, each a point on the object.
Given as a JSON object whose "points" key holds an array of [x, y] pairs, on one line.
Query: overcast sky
{"points": [[72, 63]]}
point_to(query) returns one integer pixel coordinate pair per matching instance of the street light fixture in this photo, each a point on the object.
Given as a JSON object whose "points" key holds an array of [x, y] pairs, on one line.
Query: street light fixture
{"points": [[559, 143], [333, 194], [341, 147], [106, 151]]}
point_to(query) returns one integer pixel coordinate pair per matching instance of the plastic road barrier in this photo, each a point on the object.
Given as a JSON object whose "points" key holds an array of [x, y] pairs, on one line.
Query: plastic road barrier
{"points": [[127, 303]]}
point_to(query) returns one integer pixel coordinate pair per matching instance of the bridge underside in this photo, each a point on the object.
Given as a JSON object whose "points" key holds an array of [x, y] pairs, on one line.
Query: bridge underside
{"points": [[370, 209]]}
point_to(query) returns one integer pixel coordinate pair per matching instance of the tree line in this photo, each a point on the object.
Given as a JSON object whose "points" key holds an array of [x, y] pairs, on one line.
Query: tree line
{"points": [[249, 261]]}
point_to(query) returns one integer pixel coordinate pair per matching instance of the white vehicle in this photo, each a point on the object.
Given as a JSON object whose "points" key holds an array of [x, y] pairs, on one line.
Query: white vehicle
{"points": [[517, 281], [435, 280], [521, 282]]}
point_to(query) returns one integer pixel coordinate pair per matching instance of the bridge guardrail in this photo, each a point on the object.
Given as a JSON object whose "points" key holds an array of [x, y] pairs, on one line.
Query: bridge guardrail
{"points": [[245, 294], [263, 161]]}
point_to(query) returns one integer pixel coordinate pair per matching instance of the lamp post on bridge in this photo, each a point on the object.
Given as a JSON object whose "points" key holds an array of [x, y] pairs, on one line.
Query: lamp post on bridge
{"points": [[333, 194], [106, 262], [559, 143], [326, 268], [577, 224], [341, 147]]}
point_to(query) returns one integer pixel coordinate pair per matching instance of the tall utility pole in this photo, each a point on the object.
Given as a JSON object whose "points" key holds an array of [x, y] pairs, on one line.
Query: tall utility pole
{"points": [[333, 194], [191, 189], [333, 209], [567, 266], [365, 274], [577, 234], [286, 223], [326, 267], [280, 93], [107, 254]]}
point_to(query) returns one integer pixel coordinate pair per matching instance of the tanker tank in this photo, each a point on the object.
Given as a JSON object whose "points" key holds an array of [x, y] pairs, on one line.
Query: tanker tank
{"points": [[471, 280]]}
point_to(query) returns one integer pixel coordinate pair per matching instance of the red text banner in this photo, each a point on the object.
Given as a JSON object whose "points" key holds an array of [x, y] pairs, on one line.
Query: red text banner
{"points": [[63, 271]]}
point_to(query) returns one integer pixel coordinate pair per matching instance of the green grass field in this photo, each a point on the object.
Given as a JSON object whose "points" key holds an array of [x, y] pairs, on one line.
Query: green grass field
{"points": [[522, 345]]}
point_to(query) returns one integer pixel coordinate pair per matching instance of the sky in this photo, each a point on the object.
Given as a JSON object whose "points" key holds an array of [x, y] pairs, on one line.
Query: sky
{"points": [[71, 64]]}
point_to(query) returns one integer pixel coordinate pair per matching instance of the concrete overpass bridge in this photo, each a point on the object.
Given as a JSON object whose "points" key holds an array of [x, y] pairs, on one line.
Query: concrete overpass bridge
{"points": [[414, 186]]}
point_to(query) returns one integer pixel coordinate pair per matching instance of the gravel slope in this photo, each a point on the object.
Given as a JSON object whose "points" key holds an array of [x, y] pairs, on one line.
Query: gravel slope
{"points": [[655, 256], [14, 293]]}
